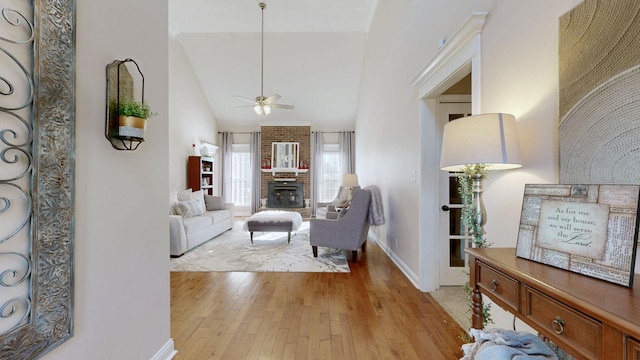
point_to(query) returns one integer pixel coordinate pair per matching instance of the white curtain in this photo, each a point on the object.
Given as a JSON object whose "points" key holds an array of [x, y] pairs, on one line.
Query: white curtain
{"points": [[227, 152], [317, 148], [254, 153], [348, 152]]}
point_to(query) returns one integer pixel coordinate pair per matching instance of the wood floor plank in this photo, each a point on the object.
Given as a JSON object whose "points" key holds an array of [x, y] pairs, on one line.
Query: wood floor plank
{"points": [[373, 312]]}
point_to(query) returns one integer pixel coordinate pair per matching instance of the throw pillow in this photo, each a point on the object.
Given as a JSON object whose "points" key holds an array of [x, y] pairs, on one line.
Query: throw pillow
{"points": [[213, 203], [199, 197], [188, 208], [173, 199], [184, 195]]}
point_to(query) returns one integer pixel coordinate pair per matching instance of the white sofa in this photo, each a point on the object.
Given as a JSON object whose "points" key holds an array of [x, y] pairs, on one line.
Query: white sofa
{"points": [[195, 218]]}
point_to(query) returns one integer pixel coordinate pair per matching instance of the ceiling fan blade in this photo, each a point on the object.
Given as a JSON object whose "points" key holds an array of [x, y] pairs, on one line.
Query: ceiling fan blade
{"points": [[242, 107], [282, 106], [272, 98], [245, 99]]}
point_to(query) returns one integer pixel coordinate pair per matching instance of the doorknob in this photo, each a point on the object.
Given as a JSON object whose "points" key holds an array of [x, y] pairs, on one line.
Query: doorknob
{"points": [[445, 208]]}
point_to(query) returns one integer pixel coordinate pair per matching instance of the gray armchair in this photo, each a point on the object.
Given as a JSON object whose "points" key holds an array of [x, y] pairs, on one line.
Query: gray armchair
{"points": [[348, 232]]}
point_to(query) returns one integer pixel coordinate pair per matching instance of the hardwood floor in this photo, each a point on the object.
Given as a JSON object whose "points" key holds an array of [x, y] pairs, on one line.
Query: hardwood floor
{"points": [[374, 312]]}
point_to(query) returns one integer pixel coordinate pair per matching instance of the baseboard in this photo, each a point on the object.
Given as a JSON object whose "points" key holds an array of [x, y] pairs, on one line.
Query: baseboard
{"points": [[396, 260], [167, 352]]}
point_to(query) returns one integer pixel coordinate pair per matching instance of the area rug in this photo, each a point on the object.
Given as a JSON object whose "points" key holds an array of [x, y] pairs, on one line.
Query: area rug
{"points": [[270, 252]]}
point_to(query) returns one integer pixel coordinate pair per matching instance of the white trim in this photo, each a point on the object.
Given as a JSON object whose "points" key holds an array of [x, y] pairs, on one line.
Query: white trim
{"points": [[452, 55], [167, 352], [457, 58]]}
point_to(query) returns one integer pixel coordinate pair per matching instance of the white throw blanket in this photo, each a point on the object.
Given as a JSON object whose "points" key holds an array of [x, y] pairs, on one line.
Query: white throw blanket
{"points": [[493, 344], [272, 216], [376, 211]]}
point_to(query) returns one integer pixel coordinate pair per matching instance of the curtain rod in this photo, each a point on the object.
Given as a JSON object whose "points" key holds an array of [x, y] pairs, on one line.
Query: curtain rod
{"points": [[238, 132], [322, 132], [333, 132]]}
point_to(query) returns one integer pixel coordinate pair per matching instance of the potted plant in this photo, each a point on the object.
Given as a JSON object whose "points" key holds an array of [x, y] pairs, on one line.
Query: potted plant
{"points": [[133, 118]]}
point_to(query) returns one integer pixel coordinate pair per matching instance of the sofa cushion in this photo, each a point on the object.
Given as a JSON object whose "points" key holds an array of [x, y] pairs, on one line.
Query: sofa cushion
{"points": [[218, 215], [189, 208], [196, 223], [213, 203]]}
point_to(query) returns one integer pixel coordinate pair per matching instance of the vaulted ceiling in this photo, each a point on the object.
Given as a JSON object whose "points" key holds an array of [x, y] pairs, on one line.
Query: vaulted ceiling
{"points": [[313, 56]]}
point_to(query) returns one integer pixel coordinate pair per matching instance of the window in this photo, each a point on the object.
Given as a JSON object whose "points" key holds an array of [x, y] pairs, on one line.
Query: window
{"points": [[331, 175], [241, 175]]}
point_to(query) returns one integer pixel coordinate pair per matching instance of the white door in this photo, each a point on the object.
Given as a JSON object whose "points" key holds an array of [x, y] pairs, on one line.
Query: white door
{"points": [[454, 267]]}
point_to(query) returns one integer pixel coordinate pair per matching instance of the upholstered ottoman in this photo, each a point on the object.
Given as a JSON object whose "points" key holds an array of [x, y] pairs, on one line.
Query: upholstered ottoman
{"points": [[273, 221]]}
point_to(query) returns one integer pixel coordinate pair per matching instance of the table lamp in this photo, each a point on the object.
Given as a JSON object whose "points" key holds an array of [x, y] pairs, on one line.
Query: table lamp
{"points": [[485, 139], [350, 181]]}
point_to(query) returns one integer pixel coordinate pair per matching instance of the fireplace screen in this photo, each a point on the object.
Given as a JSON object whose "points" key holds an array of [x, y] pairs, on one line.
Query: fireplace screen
{"points": [[285, 195]]}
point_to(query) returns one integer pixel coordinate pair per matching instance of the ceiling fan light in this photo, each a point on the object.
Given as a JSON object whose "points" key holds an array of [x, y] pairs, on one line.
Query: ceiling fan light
{"points": [[266, 109], [258, 109]]}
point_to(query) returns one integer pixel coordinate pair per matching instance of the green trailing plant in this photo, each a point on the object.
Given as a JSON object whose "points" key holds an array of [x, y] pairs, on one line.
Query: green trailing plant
{"points": [[135, 108], [469, 219], [469, 216]]}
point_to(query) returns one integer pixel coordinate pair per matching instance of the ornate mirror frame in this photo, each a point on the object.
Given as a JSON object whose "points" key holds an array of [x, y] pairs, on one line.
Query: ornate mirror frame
{"points": [[285, 155], [51, 163]]}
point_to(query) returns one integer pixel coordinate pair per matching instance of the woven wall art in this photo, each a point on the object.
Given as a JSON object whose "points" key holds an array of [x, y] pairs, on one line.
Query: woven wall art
{"points": [[600, 93]]}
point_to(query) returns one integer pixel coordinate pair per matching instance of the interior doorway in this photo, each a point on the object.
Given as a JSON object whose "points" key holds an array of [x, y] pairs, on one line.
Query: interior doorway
{"points": [[454, 237], [459, 57]]}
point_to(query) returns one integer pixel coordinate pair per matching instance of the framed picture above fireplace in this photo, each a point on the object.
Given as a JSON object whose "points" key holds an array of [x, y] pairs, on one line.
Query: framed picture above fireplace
{"points": [[285, 157]]}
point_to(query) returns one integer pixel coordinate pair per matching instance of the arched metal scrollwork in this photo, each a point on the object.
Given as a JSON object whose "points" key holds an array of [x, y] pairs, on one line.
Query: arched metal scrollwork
{"points": [[37, 146]]}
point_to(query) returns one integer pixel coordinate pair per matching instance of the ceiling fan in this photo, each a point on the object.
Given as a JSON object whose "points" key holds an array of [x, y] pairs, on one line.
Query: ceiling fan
{"points": [[262, 105]]}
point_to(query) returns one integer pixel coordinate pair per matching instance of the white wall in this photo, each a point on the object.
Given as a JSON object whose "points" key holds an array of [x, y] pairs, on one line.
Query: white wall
{"points": [[403, 38], [519, 75], [121, 245], [191, 118]]}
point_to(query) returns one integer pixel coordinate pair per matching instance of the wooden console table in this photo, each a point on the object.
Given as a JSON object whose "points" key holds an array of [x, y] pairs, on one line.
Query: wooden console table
{"points": [[587, 317]]}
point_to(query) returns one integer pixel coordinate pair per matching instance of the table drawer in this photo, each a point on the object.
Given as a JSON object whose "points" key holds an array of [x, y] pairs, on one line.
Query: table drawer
{"points": [[633, 348], [501, 286], [563, 325]]}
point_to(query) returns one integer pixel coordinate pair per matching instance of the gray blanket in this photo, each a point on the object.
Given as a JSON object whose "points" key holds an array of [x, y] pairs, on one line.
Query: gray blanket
{"points": [[495, 344], [376, 211]]}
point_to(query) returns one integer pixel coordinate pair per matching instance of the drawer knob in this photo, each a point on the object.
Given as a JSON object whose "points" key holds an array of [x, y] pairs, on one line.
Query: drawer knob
{"points": [[494, 285], [558, 325]]}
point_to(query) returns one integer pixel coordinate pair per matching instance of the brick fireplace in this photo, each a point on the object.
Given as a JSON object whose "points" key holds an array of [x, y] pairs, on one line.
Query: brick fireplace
{"points": [[271, 134]]}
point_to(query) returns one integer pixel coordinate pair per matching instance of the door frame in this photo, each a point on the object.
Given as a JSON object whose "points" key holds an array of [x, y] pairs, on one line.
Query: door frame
{"points": [[448, 275], [460, 56]]}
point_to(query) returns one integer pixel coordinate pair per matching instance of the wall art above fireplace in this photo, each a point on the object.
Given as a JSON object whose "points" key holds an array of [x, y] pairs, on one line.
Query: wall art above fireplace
{"points": [[285, 157]]}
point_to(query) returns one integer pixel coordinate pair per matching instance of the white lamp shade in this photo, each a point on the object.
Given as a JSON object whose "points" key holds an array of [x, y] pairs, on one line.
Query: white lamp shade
{"points": [[350, 180], [490, 139]]}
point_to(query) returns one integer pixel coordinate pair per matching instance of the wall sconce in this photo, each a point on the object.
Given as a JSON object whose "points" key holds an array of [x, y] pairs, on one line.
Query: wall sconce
{"points": [[126, 118], [486, 139]]}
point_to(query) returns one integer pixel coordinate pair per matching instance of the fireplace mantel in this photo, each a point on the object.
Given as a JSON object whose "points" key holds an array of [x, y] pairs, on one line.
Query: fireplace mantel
{"points": [[284, 170]]}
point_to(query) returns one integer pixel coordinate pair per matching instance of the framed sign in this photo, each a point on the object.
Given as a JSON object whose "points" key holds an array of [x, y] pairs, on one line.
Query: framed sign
{"points": [[588, 229]]}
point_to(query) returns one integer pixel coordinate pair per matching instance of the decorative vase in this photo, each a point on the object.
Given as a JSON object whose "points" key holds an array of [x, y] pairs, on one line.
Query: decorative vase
{"points": [[131, 126]]}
